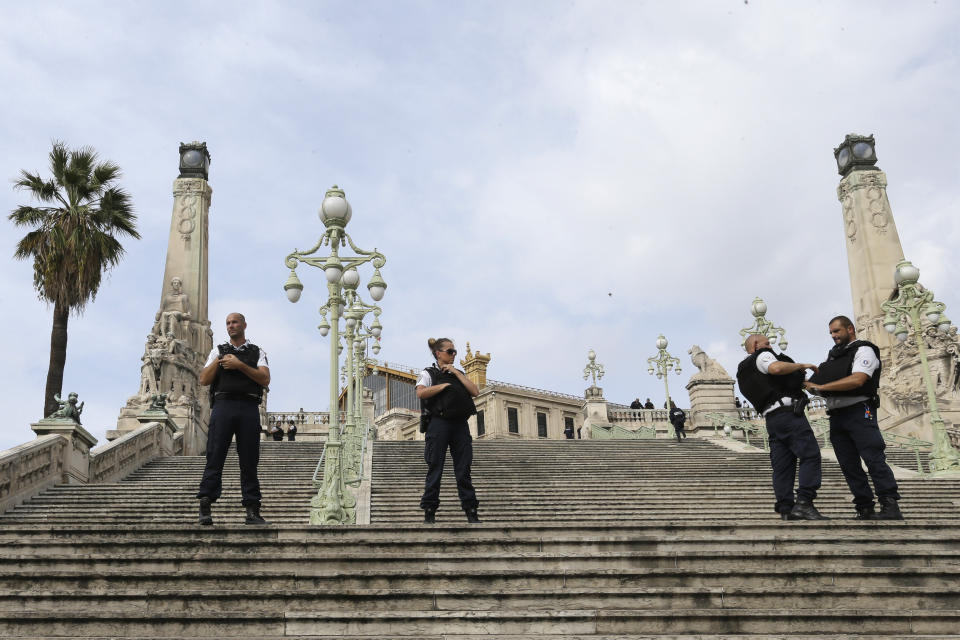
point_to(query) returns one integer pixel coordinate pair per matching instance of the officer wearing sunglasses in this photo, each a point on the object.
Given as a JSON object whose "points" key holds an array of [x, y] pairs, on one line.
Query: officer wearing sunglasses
{"points": [[446, 398]]}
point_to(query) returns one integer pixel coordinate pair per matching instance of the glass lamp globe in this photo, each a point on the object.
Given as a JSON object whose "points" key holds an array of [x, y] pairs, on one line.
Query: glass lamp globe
{"points": [[335, 207], [376, 347], [333, 269], [901, 335], [661, 343], [293, 287], [351, 278], [890, 324], [376, 329], [377, 287], [758, 308], [906, 273], [944, 325], [727, 430]]}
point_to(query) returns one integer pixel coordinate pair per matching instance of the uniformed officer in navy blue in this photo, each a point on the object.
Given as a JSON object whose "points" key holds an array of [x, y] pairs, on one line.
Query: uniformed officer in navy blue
{"points": [[446, 394], [849, 381], [773, 383], [237, 373]]}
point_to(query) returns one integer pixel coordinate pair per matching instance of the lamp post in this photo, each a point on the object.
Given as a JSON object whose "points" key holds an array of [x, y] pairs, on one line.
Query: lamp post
{"points": [[593, 368], [762, 326], [906, 313], [332, 504], [662, 363]]}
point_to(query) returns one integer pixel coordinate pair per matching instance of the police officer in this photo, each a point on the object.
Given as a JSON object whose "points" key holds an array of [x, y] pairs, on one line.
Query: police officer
{"points": [[446, 396], [237, 373], [773, 383], [677, 419], [849, 380]]}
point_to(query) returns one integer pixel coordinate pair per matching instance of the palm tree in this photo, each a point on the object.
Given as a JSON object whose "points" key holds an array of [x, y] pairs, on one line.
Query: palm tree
{"points": [[71, 240]]}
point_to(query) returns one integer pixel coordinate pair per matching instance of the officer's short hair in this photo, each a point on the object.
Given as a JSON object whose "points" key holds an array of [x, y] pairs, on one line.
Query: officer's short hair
{"points": [[845, 322]]}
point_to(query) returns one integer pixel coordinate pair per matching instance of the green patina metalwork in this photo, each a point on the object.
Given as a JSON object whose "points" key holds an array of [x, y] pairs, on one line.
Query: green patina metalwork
{"points": [[720, 421], [661, 364], [903, 316], [610, 431], [334, 504], [763, 327]]}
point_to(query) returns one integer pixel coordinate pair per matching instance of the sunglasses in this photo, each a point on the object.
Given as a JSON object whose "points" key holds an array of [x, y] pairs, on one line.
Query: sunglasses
{"points": [[449, 352]]}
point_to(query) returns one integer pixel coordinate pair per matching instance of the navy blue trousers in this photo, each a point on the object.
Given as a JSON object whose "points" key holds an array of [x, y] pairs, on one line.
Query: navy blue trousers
{"points": [[442, 434], [854, 434], [792, 441], [229, 418]]}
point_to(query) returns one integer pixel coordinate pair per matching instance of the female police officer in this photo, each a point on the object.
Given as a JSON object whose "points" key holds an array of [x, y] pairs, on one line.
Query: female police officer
{"points": [[446, 396]]}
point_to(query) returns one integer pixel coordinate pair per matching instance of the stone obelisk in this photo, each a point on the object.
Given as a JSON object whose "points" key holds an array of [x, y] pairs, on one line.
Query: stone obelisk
{"points": [[873, 251], [180, 338]]}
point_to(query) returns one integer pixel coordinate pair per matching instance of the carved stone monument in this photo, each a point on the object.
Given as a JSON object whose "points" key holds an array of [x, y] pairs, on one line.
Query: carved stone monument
{"points": [[873, 251], [180, 338], [65, 422], [710, 388]]}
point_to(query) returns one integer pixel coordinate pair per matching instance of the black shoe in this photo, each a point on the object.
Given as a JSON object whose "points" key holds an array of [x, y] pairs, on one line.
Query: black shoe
{"points": [[889, 509], [472, 516], [865, 512], [205, 517], [429, 516], [253, 516], [804, 510]]}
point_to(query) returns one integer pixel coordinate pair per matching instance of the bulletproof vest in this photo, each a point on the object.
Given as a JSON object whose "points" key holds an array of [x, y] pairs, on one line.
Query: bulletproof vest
{"points": [[763, 389], [454, 402], [232, 381], [839, 365]]}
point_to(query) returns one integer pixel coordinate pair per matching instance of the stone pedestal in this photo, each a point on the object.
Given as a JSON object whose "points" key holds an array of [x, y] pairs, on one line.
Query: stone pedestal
{"points": [[367, 407], [714, 396], [169, 428], [594, 410], [76, 461]]}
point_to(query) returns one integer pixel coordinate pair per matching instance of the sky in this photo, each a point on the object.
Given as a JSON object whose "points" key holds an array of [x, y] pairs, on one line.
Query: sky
{"points": [[544, 178]]}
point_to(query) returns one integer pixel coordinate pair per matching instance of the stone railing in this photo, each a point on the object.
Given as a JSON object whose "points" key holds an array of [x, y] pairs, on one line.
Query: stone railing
{"points": [[640, 416], [128, 453], [30, 468], [301, 417]]}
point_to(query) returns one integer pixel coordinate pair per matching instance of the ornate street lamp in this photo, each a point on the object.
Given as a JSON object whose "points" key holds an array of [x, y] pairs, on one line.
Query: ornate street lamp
{"points": [[762, 326], [333, 504], [593, 368], [857, 153], [913, 307], [662, 363]]}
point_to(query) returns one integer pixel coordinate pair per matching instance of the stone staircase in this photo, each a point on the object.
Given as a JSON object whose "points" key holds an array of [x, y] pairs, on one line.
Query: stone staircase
{"points": [[581, 539]]}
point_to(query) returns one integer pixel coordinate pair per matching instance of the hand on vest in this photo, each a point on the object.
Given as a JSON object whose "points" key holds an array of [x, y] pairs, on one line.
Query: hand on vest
{"points": [[231, 361]]}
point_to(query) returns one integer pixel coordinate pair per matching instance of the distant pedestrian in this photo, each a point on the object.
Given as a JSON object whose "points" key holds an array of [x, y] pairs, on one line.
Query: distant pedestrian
{"points": [[568, 430], [648, 404], [677, 419], [291, 431], [276, 432], [737, 403], [636, 404]]}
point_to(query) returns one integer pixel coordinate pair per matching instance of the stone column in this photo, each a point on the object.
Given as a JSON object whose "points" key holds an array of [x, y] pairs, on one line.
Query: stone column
{"points": [[181, 338]]}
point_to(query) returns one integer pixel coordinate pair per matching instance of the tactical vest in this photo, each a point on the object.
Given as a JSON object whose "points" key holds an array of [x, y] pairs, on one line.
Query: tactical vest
{"points": [[454, 402], [233, 381], [763, 390], [839, 365]]}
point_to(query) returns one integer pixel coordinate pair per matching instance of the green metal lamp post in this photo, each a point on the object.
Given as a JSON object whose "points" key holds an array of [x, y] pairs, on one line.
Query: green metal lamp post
{"points": [[764, 327], [593, 368], [333, 504], [662, 363], [905, 314]]}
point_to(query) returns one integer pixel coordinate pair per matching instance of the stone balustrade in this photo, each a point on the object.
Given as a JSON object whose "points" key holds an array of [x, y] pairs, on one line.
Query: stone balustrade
{"points": [[28, 469], [640, 416], [131, 451], [60, 455]]}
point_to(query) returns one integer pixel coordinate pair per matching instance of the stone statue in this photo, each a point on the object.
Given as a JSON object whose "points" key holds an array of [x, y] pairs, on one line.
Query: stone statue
{"points": [[69, 410], [709, 369], [175, 309]]}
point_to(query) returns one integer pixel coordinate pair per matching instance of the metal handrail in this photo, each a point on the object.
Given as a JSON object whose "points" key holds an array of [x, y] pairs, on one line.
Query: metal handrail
{"points": [[822, 428], [363, 450], [720, 420]]}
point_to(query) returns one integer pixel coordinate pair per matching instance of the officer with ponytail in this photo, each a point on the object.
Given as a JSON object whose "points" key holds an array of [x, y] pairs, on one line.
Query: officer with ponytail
{"points": [[849, 381], [446, 399], [773, 383]]}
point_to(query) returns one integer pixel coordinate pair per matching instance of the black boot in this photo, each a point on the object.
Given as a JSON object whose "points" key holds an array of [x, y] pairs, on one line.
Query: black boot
{"points": [[472, 516], [804, 510], [253, 515], [429, 516], [889, 509], [865, 512], [205, 517]]}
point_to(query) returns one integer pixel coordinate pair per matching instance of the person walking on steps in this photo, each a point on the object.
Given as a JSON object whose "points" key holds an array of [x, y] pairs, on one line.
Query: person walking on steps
{"points": [[291, 431], [849, 381], [677, 419], [774, 384], [237, 372], [276, 432], [446, 401]]}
